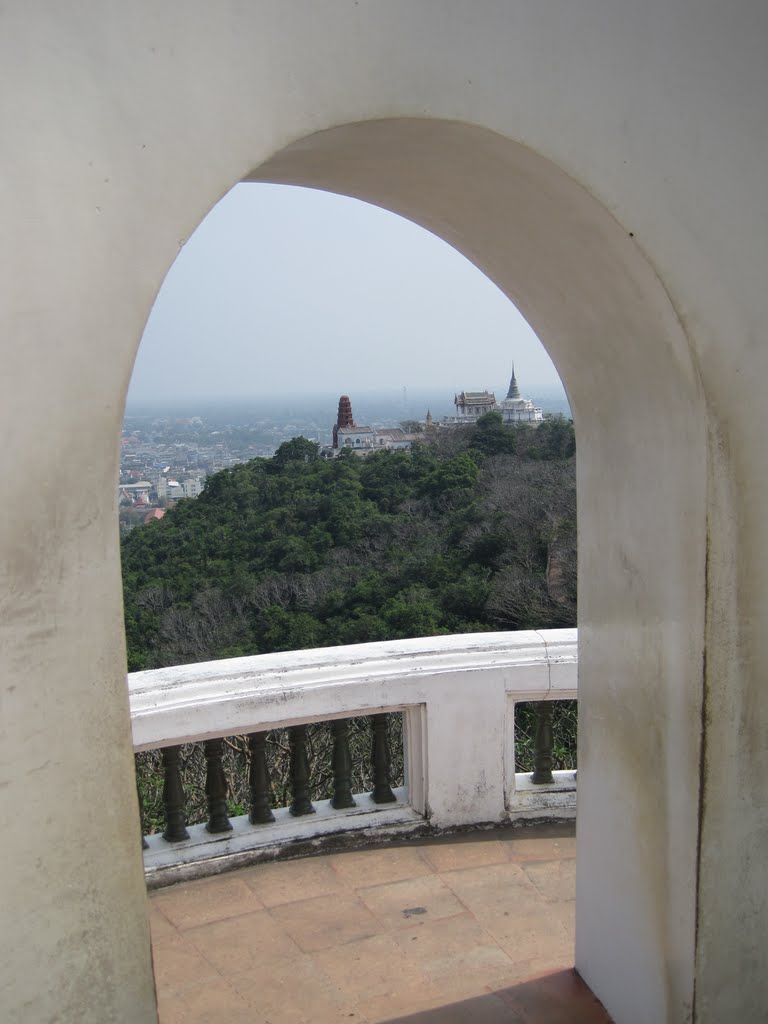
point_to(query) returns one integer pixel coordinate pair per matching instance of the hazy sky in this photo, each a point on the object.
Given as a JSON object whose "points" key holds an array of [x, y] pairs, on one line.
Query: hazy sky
{"points": [[285, 289]]}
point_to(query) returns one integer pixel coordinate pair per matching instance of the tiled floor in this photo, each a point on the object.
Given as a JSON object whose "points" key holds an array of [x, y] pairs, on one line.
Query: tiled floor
{"points": [[477, 928]]}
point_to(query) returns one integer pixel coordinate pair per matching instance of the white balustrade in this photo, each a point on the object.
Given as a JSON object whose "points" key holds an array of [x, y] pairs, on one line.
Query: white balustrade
{"points": [[457, 694]]}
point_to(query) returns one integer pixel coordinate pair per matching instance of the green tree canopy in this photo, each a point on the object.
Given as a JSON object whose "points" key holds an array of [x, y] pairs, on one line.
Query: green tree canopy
{"points": [[470, 533], [298, 449]]}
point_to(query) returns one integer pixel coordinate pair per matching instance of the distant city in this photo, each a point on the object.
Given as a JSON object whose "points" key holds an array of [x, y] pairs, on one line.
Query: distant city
{"points": [[168, 451]]}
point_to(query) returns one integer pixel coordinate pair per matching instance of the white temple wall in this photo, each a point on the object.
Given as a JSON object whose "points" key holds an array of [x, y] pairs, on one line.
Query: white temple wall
{"points": [[604, 164]]}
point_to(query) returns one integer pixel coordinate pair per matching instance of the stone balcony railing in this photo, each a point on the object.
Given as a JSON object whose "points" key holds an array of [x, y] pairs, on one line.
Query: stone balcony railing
{"points": [[456, 695]]}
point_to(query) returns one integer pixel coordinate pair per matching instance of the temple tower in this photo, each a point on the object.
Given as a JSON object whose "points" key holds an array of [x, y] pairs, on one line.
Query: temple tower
{"points": [[344, 418], [515, 408], [514, 390]]}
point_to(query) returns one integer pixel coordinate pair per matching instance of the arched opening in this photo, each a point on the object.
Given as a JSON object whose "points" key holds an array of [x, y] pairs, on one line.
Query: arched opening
{"points": [[584, 285], [598, 306], [474, 340], [286, 293], [253, 266]]}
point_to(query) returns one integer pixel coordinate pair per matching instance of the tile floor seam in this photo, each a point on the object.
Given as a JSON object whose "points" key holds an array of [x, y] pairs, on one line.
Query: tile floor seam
{"points": [[529, 883], [163, 940], [230, 916], [558, 899], [201, 928], [342, 944], [213, 967], [359, 999], [179, 990], [404, 928], [493, 940], [336, 944], [335, 870], [458, 897], [305, 899], [153, 906], [422, 856], [535, 886], [355, 887]]}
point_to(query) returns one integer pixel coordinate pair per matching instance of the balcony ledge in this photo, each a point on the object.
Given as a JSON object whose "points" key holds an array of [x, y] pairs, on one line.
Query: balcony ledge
{"points": [[457, 695]]}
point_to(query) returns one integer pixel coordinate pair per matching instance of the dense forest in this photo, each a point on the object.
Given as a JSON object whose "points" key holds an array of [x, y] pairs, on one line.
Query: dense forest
{"points": [[475, 529]]}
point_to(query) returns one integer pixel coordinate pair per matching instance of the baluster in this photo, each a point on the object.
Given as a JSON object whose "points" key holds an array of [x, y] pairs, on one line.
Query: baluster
{"points": [[342, 766], [542, 744], [144, 843], [382, 793], [173, 797], [258, 778], [301, 803], [216, 787]]}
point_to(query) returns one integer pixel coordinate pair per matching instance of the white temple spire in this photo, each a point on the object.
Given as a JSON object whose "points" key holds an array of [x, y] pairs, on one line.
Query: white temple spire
{"points": [[514, 390]]}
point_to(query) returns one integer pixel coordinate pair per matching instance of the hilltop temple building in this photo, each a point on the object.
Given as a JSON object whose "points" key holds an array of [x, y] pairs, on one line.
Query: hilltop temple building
{"points": [[470, 405], [364, 439]]}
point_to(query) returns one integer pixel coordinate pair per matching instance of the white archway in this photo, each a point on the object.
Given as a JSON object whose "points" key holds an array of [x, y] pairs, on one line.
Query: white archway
{"points": [[123, 125], [606, 319]]}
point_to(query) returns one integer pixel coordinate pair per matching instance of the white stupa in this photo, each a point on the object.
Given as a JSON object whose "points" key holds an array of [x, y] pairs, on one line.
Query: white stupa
{"points": [[516, 409]]}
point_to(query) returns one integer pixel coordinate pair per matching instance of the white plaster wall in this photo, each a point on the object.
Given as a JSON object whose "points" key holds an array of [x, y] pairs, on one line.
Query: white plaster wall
{"points": [[122, 124]]}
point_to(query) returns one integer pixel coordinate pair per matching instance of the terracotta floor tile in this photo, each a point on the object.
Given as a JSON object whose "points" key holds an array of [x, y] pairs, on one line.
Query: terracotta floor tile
{"points": [[297, 990], [513, 911], [243, 943], [536, 967], [458, 956], [207, 899], [566, 912], [380, 865], [458, 989], [435, 938], [371, 968], [159, 925], [554, 879], [179, 964], [412, 902], [522, 846], [170, 1009], [470, 971], [287, 1015], [288, 881], [539, 935], [213, 1003], [494, 889], [464, 853], [326, 921]]}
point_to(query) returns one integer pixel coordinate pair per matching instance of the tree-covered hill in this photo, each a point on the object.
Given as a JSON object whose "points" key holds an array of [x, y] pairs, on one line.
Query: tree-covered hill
{"points": [[475, 529]]}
